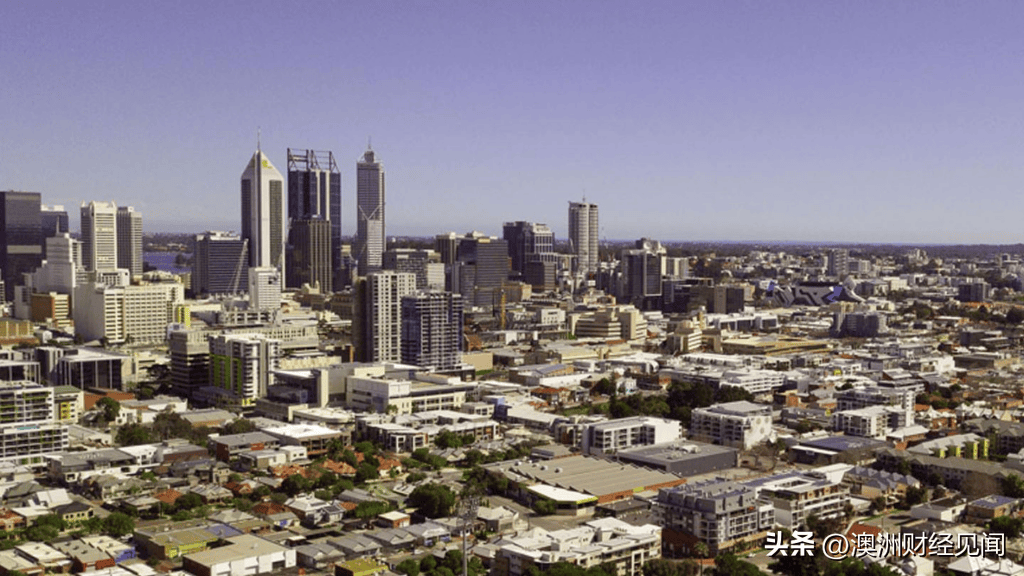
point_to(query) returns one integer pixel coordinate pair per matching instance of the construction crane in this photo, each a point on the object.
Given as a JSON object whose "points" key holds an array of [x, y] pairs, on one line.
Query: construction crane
{"points": [[238, 267]]}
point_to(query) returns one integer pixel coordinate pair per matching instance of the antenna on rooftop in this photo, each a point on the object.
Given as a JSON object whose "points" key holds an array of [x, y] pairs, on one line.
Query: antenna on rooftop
{"points": [[369, 142], [258, 139]]}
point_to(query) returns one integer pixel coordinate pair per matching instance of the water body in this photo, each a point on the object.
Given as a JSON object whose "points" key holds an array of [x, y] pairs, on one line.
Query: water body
{"points": [[165, 261]]}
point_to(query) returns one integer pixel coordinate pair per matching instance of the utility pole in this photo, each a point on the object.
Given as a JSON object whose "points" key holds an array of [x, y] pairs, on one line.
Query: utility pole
{"points": [[467, 512]]}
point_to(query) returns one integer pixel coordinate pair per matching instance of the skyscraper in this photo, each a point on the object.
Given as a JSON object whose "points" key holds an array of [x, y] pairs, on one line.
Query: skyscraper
{"points": [[314, 193], [369, 213], [129, 240], [21, 249], [54, 220], [480, 270], [583, 234], [529, 242], [309, 254], [263, 212], [220, 264], [382, 320], [432, 330], [99, 236]]}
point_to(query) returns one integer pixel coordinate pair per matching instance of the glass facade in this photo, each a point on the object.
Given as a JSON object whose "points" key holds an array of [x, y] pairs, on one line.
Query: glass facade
{"points": [[21, 239]]}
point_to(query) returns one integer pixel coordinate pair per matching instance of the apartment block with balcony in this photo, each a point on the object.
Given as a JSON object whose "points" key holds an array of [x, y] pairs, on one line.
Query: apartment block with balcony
{"points": [[623, 433], [718, 513], [798, 495], [736, 424]]}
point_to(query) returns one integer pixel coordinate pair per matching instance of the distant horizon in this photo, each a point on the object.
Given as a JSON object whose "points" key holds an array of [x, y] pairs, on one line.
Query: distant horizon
{"points": [[800, 243]]}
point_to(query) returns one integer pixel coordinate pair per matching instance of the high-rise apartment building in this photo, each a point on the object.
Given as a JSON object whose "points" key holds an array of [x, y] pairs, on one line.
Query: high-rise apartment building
{"points": [[99, 236], [382, 319], [220, 264], [21, 238], [244, 366], [27, 427], [838, 263], [432, 330], [369, 213], [263, 212], [129, 240], [583, 235], [314, 193], [264, 288]]}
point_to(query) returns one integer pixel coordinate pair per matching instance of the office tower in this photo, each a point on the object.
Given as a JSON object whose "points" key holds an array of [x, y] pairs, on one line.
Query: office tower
{"points": [[53, 220], [263, 212], [243, 365], [314, 193], [136, 314], [369, 213], [264, 288], [21, 238], [129, 240], [382, 319], [528, 242], [99, 236], [425, 264], [309, 254], [62, 268], [642, 270], [583, 234], [480, 270], [432, 330], [190, 360], [447, 246], [220, 264]]}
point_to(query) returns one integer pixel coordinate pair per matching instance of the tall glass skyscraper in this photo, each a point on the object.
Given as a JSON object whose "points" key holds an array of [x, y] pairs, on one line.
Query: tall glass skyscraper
{"points": [[21, 238], [314, 206], [263, 212], [369, 213]]}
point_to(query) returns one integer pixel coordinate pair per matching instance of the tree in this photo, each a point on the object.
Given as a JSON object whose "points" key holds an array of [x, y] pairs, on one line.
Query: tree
{"points": [[1012, 527], [370, 509], [111, 408], [296, 484], [118, 524], [1015, 316], [409, 567], [134, 435], [188, 501], [700, 550], [1013, 486], [663, 567], [729, 565], [604, 387], [544, 506], [39, 533], [915, 495], [239, 426], [447, 439], [432, 500]]}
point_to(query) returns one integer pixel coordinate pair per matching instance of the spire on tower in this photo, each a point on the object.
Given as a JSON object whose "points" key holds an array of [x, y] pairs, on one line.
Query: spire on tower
{"points": [[258, 139]]}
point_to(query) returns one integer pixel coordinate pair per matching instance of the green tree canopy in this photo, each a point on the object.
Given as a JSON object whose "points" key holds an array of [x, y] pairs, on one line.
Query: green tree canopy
{"points": [[432, 500]]}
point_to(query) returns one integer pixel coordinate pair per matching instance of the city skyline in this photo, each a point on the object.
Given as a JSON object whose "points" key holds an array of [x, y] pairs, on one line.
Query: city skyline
{"points": [[683, 121]]}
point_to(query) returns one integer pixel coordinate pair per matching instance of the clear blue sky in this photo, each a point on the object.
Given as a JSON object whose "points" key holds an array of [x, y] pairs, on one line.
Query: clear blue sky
{"points": [[703, 120]]}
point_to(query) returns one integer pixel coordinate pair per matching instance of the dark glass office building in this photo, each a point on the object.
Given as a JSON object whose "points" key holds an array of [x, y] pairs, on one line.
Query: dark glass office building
{"points": [[21, 238], [314, 193]]}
